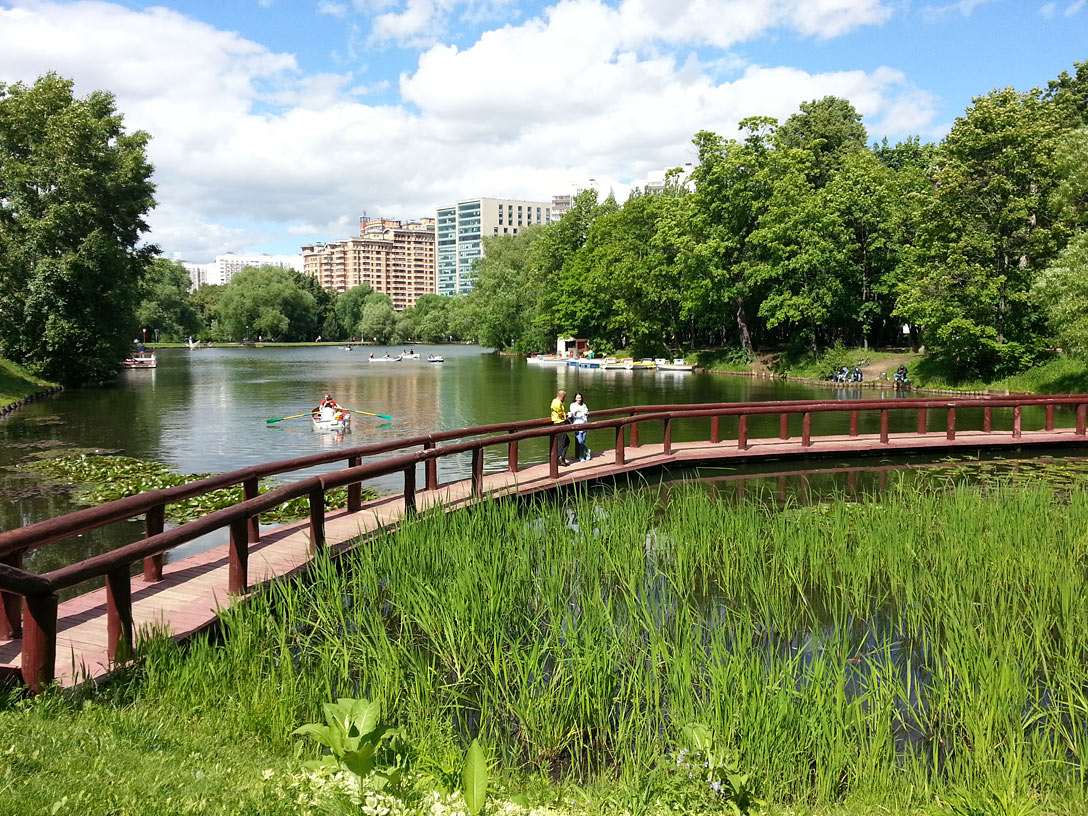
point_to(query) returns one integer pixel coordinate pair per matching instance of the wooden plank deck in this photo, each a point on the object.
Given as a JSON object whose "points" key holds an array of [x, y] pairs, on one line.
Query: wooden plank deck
{"points": [[192, 590]]}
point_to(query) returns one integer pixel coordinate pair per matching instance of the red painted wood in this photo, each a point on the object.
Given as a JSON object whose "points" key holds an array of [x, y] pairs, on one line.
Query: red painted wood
{"points": [[238, 558], [1050, 418], [410, 490], [39, 658], [784, 426], [621, 446], [923, 421], [634, 434], [853, 423], [477, 471], [251, 490], [355, 489], [806, 429], [317, 518], [884, 426], [742, 432], [1082, 419], [512, 457], [432, 467], [714, 437], [118, 615], [950, 426], [153, 525], [1016, 423], [987, 419], [668, 437], [553, 457], [11, 604]]}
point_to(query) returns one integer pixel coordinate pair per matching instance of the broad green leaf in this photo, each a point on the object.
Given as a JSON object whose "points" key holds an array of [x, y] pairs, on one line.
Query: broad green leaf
{"points": [[474, 778]]}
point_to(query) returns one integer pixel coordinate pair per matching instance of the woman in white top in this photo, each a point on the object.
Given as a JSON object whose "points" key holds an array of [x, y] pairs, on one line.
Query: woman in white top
{"points": [[579, 415]]}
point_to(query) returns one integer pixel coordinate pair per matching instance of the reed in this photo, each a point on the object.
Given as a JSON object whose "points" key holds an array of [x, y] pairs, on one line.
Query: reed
{"points": [[932, 643]]}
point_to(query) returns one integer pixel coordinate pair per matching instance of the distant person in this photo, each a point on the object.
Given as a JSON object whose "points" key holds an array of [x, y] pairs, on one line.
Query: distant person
{"points": [[579, 415], [329, 401], [559, 417]]}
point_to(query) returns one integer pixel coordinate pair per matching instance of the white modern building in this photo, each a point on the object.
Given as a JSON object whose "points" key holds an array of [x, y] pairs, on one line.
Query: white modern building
{"points": [[224, 267], [461, 228], [656, 183]]}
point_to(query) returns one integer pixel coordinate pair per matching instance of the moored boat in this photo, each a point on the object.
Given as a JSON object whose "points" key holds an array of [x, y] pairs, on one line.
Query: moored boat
{"points": [[626, 364], [678, 364], [141, 359]]}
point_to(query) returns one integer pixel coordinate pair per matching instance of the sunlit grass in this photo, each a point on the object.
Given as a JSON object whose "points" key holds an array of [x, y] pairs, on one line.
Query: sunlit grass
{"points": [[17, 383]]}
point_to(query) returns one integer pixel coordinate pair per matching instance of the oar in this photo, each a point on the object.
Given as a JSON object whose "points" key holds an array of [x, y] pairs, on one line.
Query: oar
{"points": [[281, 419], [366, 413]]}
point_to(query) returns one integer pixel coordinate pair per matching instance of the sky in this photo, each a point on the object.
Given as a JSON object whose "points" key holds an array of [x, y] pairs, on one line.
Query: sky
{"points": [[278, 123]]}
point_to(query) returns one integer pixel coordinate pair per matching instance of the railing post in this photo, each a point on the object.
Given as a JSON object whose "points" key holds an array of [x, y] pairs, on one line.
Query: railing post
{"points": [[883, 426], [11, 605], [154, 522], [950, 425], [355, 489], [784, 426], [410, 490], [853, 423], [477, 471], [432, 468], [923, 421], [238, 558], [806, 429], [251, 490], [1016, 422], [553, 456], [1050, 418], [1082, 419], [118, 615], [512, 456], [668, 436], [714, 436], [620, 446], [39, 661], [742, 432], [987, 419], [317, 518], [634, 434]]}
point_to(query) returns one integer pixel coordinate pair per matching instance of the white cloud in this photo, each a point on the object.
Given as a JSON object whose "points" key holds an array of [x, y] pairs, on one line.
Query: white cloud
{"points": [[964, 8], [1048, 10], [332, 9], [248, 150], [1075, 7]]}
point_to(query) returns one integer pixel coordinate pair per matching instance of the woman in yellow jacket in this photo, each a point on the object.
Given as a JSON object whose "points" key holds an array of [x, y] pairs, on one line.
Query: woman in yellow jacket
{"points": [[559, 417]]}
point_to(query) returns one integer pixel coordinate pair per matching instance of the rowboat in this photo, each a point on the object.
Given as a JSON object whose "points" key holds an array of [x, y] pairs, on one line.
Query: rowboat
{"points": [[141, 359], [436, 358], [620, 365], [338, 421], [546, 359], [385, 359], [409, 355]]}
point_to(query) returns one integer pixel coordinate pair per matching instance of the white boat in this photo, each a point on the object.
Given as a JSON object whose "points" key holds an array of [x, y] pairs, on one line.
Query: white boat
{"points": [[385, 359], [620, 365], [409, 355], [645, 364], [678, 364], [546, 359], [141, 359], [338, 421], [431, 358]]}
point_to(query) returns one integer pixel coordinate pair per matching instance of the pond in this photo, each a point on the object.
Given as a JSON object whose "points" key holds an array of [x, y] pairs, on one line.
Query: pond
{"points": [[206, 410]]}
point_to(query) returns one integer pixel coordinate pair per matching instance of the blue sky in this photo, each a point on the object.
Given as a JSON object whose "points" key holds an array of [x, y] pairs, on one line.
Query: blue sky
{"points": [[278, 122]]}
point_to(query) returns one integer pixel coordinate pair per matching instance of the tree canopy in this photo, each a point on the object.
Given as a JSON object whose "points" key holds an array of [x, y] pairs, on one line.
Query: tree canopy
{"points": [[74, 191]]}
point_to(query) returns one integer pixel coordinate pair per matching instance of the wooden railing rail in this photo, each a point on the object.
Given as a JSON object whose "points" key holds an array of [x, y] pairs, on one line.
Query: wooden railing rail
{"points": [[39, 609]]}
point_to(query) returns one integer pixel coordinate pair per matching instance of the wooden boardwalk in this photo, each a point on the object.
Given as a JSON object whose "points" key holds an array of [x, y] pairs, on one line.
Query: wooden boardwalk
{"points": [[192, 590]]}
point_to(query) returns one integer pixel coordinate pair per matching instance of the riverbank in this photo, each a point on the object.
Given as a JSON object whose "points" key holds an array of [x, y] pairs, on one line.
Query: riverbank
{"points": [[18, 386]]}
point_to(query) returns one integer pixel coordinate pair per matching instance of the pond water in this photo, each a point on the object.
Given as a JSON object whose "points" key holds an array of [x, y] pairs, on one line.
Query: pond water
{"points": [[206, 410]]}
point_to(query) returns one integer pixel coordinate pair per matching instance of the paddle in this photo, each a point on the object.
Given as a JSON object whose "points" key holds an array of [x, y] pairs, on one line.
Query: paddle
{"points": [[366, 413], [281, 419]]}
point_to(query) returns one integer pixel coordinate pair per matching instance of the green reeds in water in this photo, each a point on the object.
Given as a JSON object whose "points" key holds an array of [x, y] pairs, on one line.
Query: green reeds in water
{"points": [[921, 644]]}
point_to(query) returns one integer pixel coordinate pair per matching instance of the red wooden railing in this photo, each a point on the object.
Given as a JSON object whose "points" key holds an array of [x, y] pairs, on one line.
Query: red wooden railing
{"points": [[35, 618]]}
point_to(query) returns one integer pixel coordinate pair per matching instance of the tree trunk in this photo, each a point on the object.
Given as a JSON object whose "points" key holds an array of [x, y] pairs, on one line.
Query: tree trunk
{"points": [[742, 328]]}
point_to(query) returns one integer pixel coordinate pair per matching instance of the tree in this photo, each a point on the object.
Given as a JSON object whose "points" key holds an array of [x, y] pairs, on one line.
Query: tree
{"points": [[829, 129], [377, 321], [349, 306], [504, 298], [204, 300], [1062, 290], [74, 191], [266, 301], [165, 304]]}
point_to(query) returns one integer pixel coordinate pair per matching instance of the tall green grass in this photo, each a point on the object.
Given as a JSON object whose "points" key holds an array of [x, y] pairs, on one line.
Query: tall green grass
{"points": [[895, 650]]}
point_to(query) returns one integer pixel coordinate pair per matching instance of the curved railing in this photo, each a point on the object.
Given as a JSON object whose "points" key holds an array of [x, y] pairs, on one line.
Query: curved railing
{"points": [[35, 618]]}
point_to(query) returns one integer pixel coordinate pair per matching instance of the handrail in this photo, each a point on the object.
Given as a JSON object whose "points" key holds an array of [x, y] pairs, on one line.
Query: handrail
{"points": [[39, 615]]}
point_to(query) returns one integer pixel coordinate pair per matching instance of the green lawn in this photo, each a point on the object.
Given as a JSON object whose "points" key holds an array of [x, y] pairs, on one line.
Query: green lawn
{"points": [[16, 383]]}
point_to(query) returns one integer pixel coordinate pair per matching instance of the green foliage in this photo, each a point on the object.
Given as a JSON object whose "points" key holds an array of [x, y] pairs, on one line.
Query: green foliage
{"points": [[74, 191], [353, 737], [474, 778], [16, 382], [165, 305], [268, 302], [107, 478]]}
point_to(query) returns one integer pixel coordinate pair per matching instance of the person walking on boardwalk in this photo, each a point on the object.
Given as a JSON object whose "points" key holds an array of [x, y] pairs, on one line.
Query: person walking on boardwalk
{"points": [[579, 415], [559, 417]]}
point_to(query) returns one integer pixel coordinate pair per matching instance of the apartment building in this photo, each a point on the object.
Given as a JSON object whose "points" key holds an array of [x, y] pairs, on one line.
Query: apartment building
{"points": [[461, 228], [392, 257], [225, 267]]}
